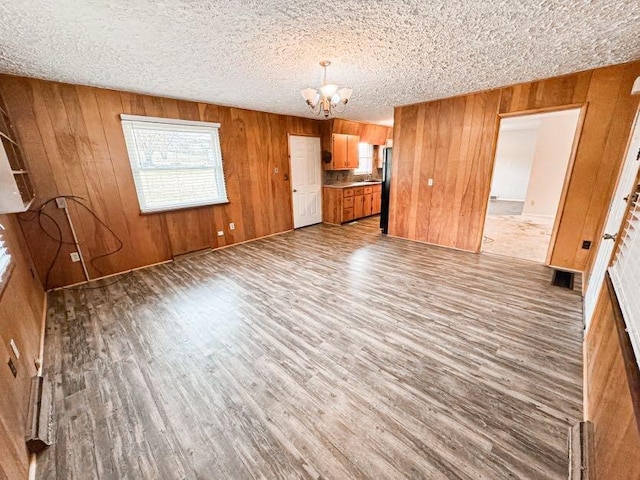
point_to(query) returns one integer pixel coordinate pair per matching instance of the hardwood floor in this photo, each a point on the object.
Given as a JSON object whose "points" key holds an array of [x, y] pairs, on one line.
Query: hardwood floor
{"points": [[328, 352]]}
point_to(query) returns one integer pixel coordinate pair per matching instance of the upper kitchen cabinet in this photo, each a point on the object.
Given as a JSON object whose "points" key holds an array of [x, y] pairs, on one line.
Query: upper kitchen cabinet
{"points": [[344, 149], [340, 139]]}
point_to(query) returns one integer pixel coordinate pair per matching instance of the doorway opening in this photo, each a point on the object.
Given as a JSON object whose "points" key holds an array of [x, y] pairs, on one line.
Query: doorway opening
{"points": [[531, 168]]}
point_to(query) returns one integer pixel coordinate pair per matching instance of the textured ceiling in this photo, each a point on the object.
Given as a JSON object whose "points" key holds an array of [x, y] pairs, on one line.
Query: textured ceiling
{"points": [[259, 54]]}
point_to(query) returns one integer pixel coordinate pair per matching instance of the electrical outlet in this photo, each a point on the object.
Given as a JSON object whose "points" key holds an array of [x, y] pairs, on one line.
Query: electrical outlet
{"points": [[12, 367], [14, 347], [75, 256], [430, 182], [61, 202], [232, 226], [276, 170], [220, 233]]}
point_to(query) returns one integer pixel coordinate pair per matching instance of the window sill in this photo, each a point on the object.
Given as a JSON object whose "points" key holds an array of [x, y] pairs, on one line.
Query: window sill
{"points": [[177, 209]]}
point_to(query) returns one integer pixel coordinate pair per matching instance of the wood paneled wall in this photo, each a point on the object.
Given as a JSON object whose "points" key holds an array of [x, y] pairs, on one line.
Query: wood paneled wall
{"points": [[74, 145], [453, 141], [21, 313], [608, 398]]}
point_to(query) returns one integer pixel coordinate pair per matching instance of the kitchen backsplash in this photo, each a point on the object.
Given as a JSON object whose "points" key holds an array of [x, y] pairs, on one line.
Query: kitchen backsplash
{"points": [[341, 176]]}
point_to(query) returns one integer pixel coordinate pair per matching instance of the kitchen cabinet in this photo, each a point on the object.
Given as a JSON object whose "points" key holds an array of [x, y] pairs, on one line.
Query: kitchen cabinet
{"points": [[358, 206], [376, 202], [341, 205], [344, 152], [353, 151], [366, 202]]}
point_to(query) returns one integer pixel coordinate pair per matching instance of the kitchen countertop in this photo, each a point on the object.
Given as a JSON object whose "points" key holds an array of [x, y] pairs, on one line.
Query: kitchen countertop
{"points": [[353, 184]]}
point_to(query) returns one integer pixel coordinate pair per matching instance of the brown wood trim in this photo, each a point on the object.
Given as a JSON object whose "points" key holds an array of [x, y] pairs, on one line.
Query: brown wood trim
{"points": [[289, 134], [577, 136], [535, 111], [494, 151], [630, 363]]}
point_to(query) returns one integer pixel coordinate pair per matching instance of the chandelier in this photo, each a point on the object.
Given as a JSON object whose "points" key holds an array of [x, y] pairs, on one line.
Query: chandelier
{"points": [[328, 100]]}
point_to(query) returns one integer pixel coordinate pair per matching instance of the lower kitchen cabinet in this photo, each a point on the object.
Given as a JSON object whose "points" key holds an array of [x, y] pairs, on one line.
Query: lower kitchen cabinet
{"points": [[376, 202], [342, 205], [358, 206]]}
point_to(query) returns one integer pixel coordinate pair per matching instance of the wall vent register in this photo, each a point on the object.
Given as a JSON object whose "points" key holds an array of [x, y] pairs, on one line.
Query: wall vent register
{"points": [[176, 164]]}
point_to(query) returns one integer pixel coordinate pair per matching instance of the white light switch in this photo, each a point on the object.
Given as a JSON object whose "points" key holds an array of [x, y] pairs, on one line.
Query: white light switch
{"points": [[14, 347], [430, 182], [276, 170], [232, 226]]}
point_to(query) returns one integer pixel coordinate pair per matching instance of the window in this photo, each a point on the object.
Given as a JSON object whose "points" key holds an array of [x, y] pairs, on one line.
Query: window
{"points": [[175, 163], [365, 157], [625, 273], [5, 261]]}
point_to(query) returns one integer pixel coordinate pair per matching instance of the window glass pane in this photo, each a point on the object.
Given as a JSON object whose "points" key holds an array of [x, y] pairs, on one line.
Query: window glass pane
{"points": [[365, 163], [175, 165], [625, 275], [5, 258]]}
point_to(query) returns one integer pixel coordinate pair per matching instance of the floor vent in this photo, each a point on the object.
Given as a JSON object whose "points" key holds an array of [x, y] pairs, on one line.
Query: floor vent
{"points": [[39, 417], [563, 279], [581, 455]]}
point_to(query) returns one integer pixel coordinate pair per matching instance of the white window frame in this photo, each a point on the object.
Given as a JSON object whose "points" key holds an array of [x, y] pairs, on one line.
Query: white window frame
{"points": [[625, 273], [131, 122], [5, 261], [367, 159]]}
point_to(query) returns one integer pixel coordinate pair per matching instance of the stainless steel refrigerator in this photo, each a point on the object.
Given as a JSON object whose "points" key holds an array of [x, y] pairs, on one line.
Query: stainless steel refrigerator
{"points": [[386, 184]]}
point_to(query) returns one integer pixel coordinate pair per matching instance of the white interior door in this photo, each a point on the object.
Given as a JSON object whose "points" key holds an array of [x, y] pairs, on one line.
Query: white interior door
{"points": [[615, 216], [306, 180]]}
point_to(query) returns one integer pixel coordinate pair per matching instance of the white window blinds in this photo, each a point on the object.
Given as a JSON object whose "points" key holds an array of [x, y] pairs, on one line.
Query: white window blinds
{"points": [[175, 163], [625, 274], [365, 159], [5, 258]]}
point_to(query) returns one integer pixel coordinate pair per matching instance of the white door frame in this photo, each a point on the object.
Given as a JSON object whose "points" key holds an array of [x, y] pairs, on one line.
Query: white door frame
{"points": [[289, 135], [625, 185]]}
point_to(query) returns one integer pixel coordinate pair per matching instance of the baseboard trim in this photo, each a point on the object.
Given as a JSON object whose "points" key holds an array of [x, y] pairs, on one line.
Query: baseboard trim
{"points": [[43, 328], [581, 452], [181, 256]]}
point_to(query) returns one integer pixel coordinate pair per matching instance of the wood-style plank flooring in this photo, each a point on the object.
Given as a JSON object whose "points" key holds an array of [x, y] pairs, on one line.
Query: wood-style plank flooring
{"points": [[328, 352]]}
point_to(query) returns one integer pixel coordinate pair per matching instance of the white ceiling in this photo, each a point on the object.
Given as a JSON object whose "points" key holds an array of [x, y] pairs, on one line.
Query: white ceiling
{"points": [[259, 54]]}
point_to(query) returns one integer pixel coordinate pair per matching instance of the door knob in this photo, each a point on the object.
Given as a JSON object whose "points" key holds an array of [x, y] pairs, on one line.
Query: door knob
{"points": [[294, 190], [608, 236]]}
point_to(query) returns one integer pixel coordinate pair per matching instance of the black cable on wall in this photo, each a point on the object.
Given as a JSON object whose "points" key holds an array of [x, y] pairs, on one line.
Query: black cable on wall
{"points": [[39, 214]]}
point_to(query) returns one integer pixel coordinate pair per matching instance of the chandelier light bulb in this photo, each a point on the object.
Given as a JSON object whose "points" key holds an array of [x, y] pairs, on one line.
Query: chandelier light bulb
{"points": [[328, 99]]}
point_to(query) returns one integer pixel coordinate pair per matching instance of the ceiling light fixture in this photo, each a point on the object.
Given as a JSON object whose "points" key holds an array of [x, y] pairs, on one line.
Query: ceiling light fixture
{"points": [[329, 100]]}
